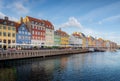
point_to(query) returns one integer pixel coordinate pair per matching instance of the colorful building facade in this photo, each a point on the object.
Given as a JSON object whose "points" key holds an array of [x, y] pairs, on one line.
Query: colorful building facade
{"points": [[64, 38], [49, 33], [23, 36], [7, 33], [56, 38], [37, 30], [75, 40]]}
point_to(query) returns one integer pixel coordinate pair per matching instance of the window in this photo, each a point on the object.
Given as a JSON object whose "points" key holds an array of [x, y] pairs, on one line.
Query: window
{"points": [[4, 41], [32, 22], [9, 28], [20, 32], [32, 32], [13, 29], [33, 37], [28, 37], [13, 41], [19, 37], [23, 28], [26, 33], [36, 33], [9, 34], [9, 41], [0, 33], [5, 22], [12, 24], [23, 37], [13, 35], [4, 33], [4, 27], [0, 27]]}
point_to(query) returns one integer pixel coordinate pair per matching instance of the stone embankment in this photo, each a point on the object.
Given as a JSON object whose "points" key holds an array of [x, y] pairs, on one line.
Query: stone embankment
{"points": [[20, 54]]}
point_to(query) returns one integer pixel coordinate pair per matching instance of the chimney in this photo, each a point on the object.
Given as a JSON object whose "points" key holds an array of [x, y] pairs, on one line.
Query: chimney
{"points": [[6, 18], [60, 29], [21, 20]]}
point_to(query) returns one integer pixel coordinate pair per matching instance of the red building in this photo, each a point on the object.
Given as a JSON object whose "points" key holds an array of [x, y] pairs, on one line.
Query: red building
{"points": [[37, 29]]}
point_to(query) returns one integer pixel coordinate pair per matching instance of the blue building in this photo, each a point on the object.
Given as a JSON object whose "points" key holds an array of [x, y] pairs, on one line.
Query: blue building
{"points": [[23, 36]]}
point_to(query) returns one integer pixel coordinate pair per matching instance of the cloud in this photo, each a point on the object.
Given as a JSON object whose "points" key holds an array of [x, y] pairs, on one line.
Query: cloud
{"points": [[21, 8], [18, 7], [2, 15], [72, 22], [110, 19]]}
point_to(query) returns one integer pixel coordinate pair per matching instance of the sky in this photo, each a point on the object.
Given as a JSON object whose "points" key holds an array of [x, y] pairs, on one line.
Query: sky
{"points": [[97, 18]]}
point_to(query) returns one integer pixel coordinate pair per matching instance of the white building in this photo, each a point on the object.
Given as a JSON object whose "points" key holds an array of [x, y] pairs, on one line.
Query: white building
{"points": [[75, 40], [49, 34]]}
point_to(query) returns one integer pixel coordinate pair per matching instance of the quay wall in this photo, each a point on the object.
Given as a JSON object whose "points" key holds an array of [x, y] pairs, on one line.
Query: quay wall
{"points": [[19, 54]]}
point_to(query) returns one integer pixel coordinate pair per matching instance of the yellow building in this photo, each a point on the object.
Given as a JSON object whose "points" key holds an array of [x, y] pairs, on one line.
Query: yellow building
{"points": [[64, 38], [90, 41], [7, 33]]}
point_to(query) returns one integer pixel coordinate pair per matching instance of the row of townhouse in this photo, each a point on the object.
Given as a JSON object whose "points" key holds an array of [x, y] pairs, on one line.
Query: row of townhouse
{"points": [[78, 39], [31, 31], [28, 31]]}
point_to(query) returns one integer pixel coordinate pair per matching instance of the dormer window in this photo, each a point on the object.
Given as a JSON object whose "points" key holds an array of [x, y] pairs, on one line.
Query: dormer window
{"points": [[32, 22], [12, 24], [5, 23]]}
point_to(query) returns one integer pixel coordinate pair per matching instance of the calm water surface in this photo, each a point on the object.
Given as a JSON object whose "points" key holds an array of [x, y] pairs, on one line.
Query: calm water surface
{"points": [[98, 66]]}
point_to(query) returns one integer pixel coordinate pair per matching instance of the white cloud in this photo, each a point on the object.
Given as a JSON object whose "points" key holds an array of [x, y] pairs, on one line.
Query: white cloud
{"points": [[110, 19], [2, 15], [18, 7], [72, 22], [21, 8]]}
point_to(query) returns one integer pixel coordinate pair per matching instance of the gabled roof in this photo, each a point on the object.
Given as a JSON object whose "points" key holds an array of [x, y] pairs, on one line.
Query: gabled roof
{"points": [[17, 25], [8, 22], [34, 19], [62, 33], [80, 34], [47, 23]]}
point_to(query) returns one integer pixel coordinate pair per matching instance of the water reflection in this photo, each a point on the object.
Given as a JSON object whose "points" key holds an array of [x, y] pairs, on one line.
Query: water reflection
{"points": [[102, 66], [8, 74]]}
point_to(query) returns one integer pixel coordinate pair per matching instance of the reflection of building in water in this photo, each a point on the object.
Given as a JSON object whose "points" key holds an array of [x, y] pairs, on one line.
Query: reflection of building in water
{"points": [[64, 62], [42, 71], [8, 74]]}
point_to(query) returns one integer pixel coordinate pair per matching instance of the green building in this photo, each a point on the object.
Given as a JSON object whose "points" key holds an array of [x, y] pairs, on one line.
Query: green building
{"points": [[56, 38]]}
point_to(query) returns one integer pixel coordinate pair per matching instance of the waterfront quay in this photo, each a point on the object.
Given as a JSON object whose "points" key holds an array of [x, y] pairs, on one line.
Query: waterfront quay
{"points": [[20, 54]]}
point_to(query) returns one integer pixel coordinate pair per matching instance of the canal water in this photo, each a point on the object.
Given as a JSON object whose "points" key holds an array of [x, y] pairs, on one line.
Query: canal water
{"points": [[97, 66]]}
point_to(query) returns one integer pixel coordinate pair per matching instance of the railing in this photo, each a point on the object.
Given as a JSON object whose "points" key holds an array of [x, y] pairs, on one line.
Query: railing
{"points": [[18, 54]]}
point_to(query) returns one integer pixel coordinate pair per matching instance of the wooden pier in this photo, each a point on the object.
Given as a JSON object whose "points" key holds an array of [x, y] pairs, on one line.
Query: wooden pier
{"points": [[19, 54]]}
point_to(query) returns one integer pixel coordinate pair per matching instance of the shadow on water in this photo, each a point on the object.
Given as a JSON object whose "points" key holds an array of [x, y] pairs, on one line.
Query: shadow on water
{"points": [[98, 66]]}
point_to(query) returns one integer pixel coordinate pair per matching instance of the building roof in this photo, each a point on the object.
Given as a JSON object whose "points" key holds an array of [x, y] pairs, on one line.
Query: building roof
{"points": [[6, 21], [47, 23], [17, 25], [80, 34], [62, 33]]}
